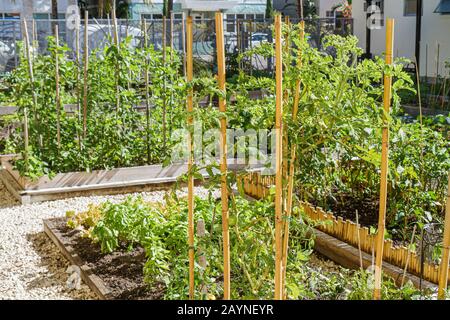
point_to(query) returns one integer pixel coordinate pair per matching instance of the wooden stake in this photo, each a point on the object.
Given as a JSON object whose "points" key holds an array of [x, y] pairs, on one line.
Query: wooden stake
{"points": [[117, 73], [164, 21], [223, 151], [25, 109], [190, 108], [359, 241], [408, 256], [85, 71], [147, 93], [57, 94], [279, 158], [443, 274], [183, 44], [33, 92], [384, 161]]}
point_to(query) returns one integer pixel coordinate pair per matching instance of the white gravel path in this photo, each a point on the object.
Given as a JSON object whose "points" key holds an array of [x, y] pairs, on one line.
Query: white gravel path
{"points": [[31, 266]]}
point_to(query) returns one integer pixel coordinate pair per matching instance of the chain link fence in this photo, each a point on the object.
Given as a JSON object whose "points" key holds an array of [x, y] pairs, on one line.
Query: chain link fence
{"points": [[240, 35]]}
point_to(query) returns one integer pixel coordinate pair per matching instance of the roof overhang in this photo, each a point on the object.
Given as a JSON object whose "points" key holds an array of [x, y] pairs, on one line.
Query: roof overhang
{"points": [[443, 7], [207, 5]]}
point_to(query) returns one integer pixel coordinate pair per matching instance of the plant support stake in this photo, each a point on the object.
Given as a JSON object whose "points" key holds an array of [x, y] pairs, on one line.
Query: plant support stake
{"points": [[384, 161], [443, 274], [279, 159], [85, 71], [223, 151], [189, 78], [57, 94]]}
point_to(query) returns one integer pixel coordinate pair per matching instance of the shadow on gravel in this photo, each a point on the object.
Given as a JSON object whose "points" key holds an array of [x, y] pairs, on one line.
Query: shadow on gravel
{"points": [[54, 266]]}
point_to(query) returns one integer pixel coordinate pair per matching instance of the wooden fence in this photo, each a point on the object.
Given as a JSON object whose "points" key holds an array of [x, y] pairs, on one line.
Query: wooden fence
{"points": [[258, 187]]}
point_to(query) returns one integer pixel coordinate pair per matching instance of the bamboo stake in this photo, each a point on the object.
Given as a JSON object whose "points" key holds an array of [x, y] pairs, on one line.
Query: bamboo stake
{"points": [[190, 107], [147, 93], [164, 21], [201, 254], [34, 33], [77, 57], [408, 256], [290, 190], [223, 162], [117, 73], [57, 94], [279, 158], [384, 160], [359, 240], [86, 65], [25, 109], [183, 44], [33, 92], [443, 274]]}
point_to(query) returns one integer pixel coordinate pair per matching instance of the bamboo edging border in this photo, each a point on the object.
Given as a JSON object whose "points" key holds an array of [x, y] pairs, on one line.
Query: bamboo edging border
{"points": [[444, 270], [258, 187]]}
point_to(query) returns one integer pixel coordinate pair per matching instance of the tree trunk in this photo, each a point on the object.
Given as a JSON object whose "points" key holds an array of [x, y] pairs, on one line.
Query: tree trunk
{"points": [[54, 9]]}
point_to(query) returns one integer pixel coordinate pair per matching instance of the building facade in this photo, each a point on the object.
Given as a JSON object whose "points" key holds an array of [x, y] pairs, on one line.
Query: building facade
{"points": [[32, 9], [200, 9], [435, 44]]}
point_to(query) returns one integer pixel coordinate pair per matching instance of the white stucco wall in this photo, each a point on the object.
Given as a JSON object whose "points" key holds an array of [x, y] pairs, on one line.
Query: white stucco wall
{"points": [[435, 29], [326, 5], [39, 6], [9, 6]]}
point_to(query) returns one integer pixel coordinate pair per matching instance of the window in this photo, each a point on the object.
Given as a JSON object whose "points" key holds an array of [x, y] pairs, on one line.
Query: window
{"points": [[178, 16], [379, 4], [230, 18], [9, 16], [443, 7], [410, 8], [330, 14], [150, 16], [259, 17]]}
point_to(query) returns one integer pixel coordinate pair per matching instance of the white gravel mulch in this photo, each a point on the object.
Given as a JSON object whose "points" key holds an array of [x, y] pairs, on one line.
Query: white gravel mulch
{"points": [[31, 266]]}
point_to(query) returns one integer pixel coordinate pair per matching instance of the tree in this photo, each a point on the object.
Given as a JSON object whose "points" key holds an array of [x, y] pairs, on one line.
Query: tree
{"points": [[306, 9], [167, 8], [269, 9], [54, 9]]}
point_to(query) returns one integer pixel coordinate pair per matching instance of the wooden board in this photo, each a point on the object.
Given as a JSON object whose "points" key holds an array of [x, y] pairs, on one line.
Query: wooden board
{"points": [[99, 182], [90, 279], [348, 256]]}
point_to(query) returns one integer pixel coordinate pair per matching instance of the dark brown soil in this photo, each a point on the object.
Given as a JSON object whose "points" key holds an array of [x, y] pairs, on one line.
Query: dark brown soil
{"points": [[346, 206], [120, 271]]}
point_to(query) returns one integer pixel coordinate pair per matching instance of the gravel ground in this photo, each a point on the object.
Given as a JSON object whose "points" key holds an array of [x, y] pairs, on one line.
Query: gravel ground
{"points": [[31, 266]]}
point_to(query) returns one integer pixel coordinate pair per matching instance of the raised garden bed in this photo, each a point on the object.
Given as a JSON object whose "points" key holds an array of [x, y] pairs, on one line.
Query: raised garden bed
{"points": [[97, 182], [117, 275]]}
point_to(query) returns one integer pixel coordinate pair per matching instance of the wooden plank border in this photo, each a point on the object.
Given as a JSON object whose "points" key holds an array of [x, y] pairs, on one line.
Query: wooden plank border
{"points": [[90, 279]]}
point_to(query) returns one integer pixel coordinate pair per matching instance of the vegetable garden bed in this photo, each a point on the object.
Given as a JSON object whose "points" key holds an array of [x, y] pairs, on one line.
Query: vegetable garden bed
{"points": [[118, 275], [98, 182]]}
